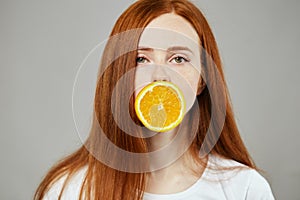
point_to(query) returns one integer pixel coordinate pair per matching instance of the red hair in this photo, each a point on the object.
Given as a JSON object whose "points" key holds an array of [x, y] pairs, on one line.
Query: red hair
{"points": [[104, 182]]}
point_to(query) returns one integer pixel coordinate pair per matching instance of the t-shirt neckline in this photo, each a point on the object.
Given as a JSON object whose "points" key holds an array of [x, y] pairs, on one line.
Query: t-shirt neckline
{"points": [[183, 193]]}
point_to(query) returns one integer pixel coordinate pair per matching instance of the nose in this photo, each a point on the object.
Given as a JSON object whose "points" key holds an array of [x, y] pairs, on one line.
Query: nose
{"points": [[160, 74]]}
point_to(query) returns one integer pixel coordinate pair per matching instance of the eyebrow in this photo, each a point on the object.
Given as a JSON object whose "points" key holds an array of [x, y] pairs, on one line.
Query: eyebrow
{"points": [[173, 48]]}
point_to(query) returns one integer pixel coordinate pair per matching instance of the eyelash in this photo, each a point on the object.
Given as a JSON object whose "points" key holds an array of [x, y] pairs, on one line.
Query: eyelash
{"points": [[181, 57]]}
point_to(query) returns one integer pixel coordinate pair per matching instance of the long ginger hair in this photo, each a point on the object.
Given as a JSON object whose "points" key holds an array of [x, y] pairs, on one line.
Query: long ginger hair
{"points": [[104, 182]]}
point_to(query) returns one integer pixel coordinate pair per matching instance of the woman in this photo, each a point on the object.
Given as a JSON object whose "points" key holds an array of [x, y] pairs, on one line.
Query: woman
{"points": [[154, 40]]}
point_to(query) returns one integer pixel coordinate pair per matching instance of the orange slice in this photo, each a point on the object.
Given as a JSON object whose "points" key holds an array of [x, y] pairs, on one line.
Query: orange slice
{"points": [[160, 106]]}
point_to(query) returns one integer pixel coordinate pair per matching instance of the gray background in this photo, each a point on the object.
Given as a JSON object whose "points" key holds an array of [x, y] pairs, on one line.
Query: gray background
{"points": [[44, 42]]}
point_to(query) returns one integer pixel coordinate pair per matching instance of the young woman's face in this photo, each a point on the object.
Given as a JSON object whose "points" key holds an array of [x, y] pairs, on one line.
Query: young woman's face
{"points": [[169, 50]]}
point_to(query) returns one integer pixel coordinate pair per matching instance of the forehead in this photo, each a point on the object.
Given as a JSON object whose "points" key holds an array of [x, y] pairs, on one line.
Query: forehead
{"points": [[169, 30]]}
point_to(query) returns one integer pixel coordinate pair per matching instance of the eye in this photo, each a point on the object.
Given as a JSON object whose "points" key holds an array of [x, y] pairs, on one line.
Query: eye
{"points": [[179, 60], [141, 59]]}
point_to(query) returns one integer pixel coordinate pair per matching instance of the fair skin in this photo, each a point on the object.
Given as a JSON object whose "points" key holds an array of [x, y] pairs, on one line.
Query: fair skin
{"points": [[168, 51]]}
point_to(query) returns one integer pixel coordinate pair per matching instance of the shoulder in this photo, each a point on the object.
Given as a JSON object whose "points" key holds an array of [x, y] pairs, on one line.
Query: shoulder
{"points": [[239, 180], [258, 187], [72, 189]]}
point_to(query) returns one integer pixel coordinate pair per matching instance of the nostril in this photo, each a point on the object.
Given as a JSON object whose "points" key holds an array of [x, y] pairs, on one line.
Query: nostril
{"points": [[159, 74], [161, 79]]}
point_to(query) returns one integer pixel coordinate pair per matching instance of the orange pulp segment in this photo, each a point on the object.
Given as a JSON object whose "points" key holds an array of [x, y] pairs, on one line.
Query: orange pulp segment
{"points": [[160, 106]]}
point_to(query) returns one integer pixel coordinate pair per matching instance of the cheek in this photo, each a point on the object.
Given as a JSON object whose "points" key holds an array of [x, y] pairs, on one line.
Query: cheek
{"points": [[142, 78], [189, 85], [192, 76]]}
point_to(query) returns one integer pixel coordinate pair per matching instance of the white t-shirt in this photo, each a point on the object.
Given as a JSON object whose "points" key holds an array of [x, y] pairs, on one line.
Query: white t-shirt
{"points": [[243, 184]]}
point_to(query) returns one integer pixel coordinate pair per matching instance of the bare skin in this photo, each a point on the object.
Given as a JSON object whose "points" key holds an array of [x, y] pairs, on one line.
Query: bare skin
{"points": [[176, 177]]}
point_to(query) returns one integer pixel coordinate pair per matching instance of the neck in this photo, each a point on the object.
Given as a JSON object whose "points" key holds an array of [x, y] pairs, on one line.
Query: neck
{"points": [[177, 176], [179, 166], [160, 140]]}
